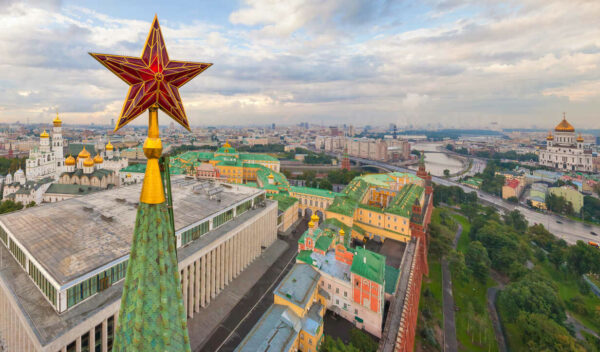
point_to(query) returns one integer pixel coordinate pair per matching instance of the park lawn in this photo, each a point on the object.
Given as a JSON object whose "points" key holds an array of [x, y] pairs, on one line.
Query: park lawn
{"points": [[434, 302], [568, 289], [473, 293]]}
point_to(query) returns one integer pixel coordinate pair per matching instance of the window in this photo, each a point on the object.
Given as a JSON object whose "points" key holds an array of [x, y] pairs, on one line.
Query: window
{"points": [[42, 283], [337, 290], [356, 311], [18, 253], [345, 293], [329, 286], [98, 338], [3, 235], [337, 302]]}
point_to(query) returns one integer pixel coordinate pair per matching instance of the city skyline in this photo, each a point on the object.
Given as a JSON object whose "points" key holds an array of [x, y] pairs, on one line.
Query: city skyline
{"points": [[446, 63]]}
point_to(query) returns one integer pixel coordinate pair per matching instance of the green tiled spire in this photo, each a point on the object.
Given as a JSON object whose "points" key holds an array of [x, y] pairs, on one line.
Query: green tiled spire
{"points": [[152, 316]]}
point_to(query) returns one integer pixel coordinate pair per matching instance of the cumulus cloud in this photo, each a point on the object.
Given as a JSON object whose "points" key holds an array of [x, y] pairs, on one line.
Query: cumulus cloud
{"points": [[443, 63]]}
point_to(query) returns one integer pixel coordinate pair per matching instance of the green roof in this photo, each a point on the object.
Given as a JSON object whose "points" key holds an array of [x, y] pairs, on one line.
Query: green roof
{"points": [[141, 168], [324, 242], [72, 189], [391, 278], [373, 268], [382, 180], [74, 149], [404, 200], [258, 157], [304, 256], [343, 205], [284, 202], [314, 191]]}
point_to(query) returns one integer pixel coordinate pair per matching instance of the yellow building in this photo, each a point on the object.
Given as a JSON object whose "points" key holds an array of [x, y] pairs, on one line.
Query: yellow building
{"points": [[295, 320]]}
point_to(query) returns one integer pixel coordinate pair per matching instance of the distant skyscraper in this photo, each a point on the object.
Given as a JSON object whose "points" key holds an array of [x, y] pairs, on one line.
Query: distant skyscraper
{"points": [[112, 122], [272, 126]]}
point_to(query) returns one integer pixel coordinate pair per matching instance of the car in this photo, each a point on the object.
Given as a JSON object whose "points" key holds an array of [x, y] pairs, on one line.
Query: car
{"points": [[593, 233], [558, 222]]}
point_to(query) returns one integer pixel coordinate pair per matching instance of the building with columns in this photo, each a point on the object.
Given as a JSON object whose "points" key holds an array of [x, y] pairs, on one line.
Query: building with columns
{"points": [[64, 263], [565, 151]]}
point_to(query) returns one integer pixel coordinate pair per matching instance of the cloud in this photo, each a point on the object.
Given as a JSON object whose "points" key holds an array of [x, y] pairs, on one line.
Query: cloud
{"points": [[454, 63]]}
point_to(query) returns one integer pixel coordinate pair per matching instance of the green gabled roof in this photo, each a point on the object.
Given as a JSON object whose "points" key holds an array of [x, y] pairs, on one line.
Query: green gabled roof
{"points": [[404, 200], [391, 278], [75, 148], [343, 205], [284, 202], [370, 207], [152, 316], [358, 229], [72, 189], [373, 268], [261, 157], [382, 180], [304, 256], [324, 242], [314, 191], [141, 168], [356, 189]]}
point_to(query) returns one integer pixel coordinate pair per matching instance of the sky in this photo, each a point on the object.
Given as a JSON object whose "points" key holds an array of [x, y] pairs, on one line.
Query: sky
{"points": [[434, 63]]}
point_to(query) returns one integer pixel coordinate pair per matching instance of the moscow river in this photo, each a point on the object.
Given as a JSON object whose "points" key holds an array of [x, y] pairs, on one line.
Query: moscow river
{"points": [[437, 162]]}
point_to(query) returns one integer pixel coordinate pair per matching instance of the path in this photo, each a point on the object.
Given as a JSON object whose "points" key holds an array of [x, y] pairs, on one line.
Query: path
{"points": [[450, 341], [579, 327], [492, 294]]}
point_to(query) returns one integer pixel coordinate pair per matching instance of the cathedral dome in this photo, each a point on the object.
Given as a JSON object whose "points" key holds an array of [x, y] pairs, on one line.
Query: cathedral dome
{"points": [[226, 145], [98, 159], [580, 138], [564, 126], [57, 121], [44, 134], [70, 161], [88, 161], [109, 146], [314, 218], [550, 136], [83, 154]]}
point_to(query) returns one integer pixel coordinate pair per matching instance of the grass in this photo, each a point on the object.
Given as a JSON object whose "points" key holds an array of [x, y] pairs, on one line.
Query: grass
{"points": [[434, 303], [470, 298]]}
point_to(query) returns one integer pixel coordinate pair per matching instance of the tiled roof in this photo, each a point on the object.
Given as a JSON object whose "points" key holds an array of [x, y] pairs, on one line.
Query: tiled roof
{"points": [[369, 265], [314, 191], [404, 200]]}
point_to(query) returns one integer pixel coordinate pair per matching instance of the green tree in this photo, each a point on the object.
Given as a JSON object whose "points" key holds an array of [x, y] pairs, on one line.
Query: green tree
{"points": [[531, 294], [446, 172], [516, 220], [31, 204], [583, 258], [362, 341], [459, 268], [477, 261], [8, 206], [336, 345], [540, 334]]}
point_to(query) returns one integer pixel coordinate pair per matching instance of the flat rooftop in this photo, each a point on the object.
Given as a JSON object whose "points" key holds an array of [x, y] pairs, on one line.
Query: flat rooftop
{"points": [[276, 330], [297, 286], [49, 325], [76, 236]]}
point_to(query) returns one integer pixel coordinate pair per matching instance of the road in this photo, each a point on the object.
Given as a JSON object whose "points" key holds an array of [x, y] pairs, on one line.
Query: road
{"points": [[450, 341], [569, 230], [251, 307]]}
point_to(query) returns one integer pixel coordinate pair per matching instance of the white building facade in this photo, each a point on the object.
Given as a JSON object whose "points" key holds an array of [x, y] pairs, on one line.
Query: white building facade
{"points": [[565, 151]]}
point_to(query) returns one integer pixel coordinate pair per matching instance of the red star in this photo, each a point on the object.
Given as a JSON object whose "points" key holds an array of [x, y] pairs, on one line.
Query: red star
{"points": [[152, 78]]}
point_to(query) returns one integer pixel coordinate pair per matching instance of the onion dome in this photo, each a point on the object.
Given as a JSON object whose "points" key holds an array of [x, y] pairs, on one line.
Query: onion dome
{"points": [[564, 126], [109, 146], [226, 145], [57, 121], [311, 224], [70, 161], [550, 136], [271, 176], [314, 218], [44, 134], [580, 138], [342, 232], [83, 154], [98, 159], [88, 161]]}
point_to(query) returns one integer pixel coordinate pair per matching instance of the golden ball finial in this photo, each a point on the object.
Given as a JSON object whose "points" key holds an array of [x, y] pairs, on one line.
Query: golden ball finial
{"points": [[314, 218], [342, 232], [109, 146], [57, 121], [83, 154]]}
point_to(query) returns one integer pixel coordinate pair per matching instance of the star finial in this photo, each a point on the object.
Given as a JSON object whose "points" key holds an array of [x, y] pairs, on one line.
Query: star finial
{"points": [[152, 78]]}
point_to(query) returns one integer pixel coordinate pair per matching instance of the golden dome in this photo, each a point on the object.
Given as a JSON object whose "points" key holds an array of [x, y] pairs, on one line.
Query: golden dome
{"points": [[70, 160], [44, 134], [98, 159], [57, 121], [564, 126], [311, 224], [226, 145], [342, 232], [314, 218], [88, 162], [83, 154], [271, 176], [580, 138], [550, 136], [109, 146]]}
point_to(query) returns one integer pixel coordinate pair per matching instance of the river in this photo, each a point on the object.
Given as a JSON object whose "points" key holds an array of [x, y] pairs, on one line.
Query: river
{"points": [[436, 163]]}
